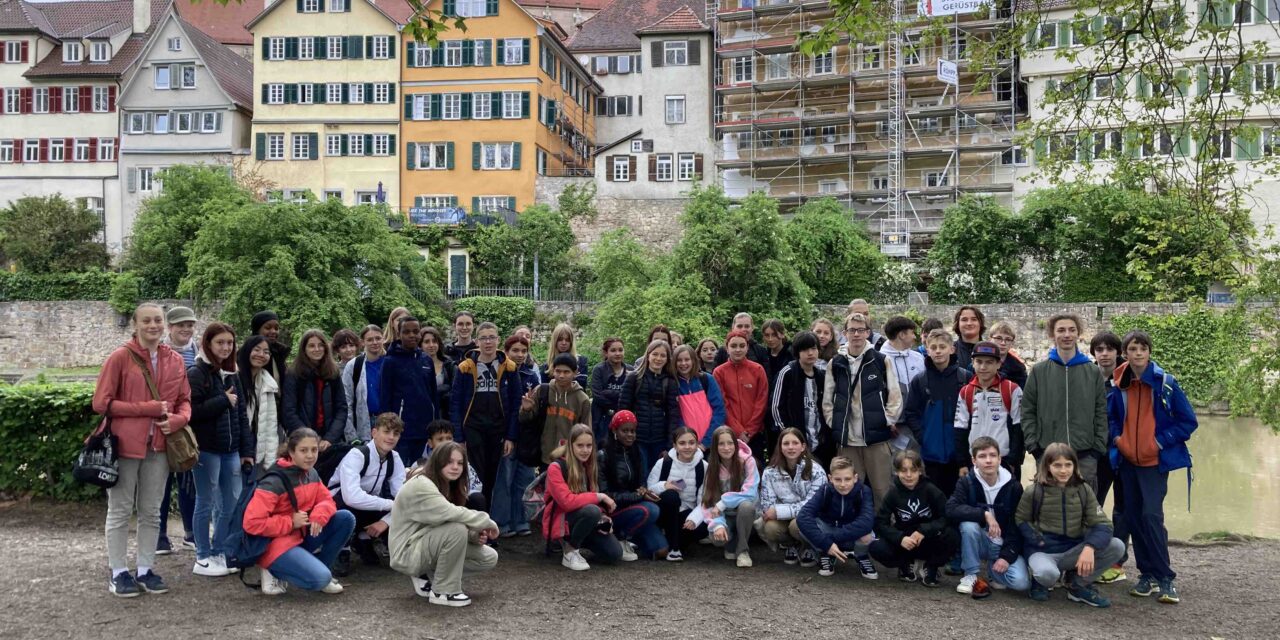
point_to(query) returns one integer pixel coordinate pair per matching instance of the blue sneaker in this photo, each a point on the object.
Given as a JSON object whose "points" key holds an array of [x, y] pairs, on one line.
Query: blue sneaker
{"points": [[163, 546], [1168, 592], [1146, 586], [1038, 592], [152, 583], [1087, 595], [124, 586]]}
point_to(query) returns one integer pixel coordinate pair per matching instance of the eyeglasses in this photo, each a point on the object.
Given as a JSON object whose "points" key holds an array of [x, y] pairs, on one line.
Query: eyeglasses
{"points": [[858, 331], [1001, 339]]}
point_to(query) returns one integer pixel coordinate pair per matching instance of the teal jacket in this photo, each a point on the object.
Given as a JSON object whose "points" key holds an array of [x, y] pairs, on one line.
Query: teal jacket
{"points": [[1065, 402]]}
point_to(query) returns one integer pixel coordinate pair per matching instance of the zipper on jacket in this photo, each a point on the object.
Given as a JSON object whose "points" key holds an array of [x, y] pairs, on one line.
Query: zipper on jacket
{"points": [[1067, 369]]}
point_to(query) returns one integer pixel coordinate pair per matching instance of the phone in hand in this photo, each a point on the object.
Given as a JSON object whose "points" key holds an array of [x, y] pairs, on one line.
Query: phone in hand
{"points": [[679, 483]]}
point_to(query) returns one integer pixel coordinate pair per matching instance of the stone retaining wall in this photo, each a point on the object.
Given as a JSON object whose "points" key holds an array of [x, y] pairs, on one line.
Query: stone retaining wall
{"points": [[654, 222]]}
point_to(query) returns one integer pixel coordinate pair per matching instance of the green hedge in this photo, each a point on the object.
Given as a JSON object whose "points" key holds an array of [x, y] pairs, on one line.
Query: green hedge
{"points": [[1200, 348], [42, 428], [507, 313], [89, 285]]}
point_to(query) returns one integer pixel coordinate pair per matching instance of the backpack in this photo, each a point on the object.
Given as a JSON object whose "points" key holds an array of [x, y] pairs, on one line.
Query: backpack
{"points": [[356, 370], [328, 462], [699, 471], [535, 496], [244, 549], [1006, 396]]}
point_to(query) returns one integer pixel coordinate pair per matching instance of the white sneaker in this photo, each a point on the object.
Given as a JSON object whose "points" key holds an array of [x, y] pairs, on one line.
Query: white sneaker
{"points": [[333, 587], [744, 559], [729, 555], [210, 567], [675, 556], [222, 560], [449, 599], [966, 584], [422, 585], [629, 552], [575, 561], [271, 585]]}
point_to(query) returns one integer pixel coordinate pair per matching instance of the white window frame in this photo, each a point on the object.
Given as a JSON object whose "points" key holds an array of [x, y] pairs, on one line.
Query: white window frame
{"points": [[1264, 76], [71, 99], [675, 53], [80, 150], [40, 100], [777, 66], [188, 70], [99, 51], [333, 144], [12, 51], [828, 187], [1107, 143], [471, 8], [871, 58], [492, 204], [146, 179], [744, 70], [160, 122], [275, 146], [664, 167], [333, 48], [275, 93], [482, 106], [72, 52], [355, 144], [101, 99], [451, 106], [106, 149], [137, 122], [381, 144], [674, 113], [381, 93], [621, 169], [513, 51], [1049, 29], [306, 93], [939, 178], [686, 167], [355, 93], [12, 100], [1101, 81], [452, 53], [1221, 145], [337, 6], [381, 47], [209, 122], [6, 151], [331, 194], [306, 48], [184, 127], [174, 44], [366, 197], [497, 156], [1015, 156], [275, 49], [511, 105], [623, 63], [422, 57], [435, 201], [300, 147], [162, 71], [1271, 141], [333, 93], [1220, 80], [637, 146], [824, 63], [432, 156], [31, 151]]}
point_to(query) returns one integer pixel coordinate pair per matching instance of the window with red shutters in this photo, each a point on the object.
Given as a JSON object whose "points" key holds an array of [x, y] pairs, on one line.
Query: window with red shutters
{"points": [[25, 46], [55, 99], [68, 149], [44, 149], [93, 149], [18, 151], [24, 100], [111, 99]]}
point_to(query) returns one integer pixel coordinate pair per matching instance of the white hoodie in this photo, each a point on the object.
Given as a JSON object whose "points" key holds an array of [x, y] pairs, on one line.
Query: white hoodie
{"points": [[991, 491], [691, 494], [907, 364]]}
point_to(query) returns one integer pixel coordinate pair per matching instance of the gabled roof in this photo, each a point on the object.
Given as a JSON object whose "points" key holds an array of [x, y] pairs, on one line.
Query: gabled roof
{"points": [[232, 72], [603, 148], [16, 15], [682, 20], [397, 11], [224, 23], [88, 19], [615, 27], [585, 5], [555, 29]]}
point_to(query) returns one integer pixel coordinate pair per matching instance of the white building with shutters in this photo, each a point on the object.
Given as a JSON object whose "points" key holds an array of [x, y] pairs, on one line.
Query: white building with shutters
{"points": [[654, 121], [189, 101]]}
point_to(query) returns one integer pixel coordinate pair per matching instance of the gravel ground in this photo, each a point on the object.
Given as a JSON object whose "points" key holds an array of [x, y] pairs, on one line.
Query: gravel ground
{"points": [[53, 585]]}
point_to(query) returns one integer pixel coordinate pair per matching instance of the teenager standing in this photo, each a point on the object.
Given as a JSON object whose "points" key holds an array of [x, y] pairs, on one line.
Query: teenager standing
{"points": [[651, 393], [409, 389], [485, 405], [362, 384], [313, 393], [182, 328]]}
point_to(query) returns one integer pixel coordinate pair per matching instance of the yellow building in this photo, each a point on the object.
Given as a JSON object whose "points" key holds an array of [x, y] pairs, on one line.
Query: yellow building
{"points": [[326, 105], [488, 111]]}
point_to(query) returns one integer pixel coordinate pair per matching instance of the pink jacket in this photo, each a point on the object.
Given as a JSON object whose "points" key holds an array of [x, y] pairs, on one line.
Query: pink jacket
{"points": [[122, 387]]}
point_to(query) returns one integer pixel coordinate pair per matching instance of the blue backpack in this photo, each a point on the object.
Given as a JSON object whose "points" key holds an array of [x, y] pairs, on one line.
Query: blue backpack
{"points": [[244, 549]]}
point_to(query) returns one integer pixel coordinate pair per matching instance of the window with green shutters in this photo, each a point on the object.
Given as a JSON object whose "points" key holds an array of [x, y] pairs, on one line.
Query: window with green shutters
{"points": [[470, 8]]}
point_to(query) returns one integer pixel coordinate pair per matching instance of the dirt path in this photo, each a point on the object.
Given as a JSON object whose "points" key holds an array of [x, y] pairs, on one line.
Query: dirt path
{"points": [[53, 585]]}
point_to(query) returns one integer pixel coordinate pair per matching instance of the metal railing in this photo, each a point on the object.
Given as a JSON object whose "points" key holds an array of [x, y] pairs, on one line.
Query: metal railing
{"points": [[567, 294]]}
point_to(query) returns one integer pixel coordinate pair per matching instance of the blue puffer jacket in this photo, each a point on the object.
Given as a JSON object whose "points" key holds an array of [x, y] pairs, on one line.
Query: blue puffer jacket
{"points": [[1175, 419], [409, 389], [852, 514], [219, 427]]}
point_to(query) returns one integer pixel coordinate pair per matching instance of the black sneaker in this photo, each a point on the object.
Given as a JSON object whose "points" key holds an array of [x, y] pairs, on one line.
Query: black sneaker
{"points": [[364, 549], [164, 547], [826, 566], [867, 568], [152, 583], [907, 573], [792, 556], [930, 577], [189, 543], [124, 586], [342, 566], [808, 558]]}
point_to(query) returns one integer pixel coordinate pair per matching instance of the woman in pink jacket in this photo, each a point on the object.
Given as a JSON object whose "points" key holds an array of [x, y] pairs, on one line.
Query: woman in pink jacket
{"points": [[140, 421]]}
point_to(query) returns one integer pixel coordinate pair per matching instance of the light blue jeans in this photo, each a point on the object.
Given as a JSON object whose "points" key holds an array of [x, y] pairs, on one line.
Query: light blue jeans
{"points": [[508, 495], [218, 484], [307, 565], [976, 547]]}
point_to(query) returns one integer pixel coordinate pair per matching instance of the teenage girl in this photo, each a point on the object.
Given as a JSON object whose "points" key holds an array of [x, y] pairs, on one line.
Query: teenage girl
{"points": [[707, 350], [728, 504], [313, 393], [635, 519], [563, 341], [576, 509], [678, 480], [606, 385], [791, 479], [701, 404]]}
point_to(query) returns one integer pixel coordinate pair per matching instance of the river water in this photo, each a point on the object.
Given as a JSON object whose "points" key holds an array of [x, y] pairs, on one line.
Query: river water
{"points": [[1236, 481]]}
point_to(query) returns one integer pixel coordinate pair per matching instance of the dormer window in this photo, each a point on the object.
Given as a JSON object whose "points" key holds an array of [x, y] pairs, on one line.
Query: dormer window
{"points": [[72, 52], [100, 52]]}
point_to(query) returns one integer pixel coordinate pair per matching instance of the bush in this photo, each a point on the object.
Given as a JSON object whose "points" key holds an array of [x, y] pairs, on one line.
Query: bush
{"points": [[507, 313], [42, 428], [125, 293], [88, 285], [1201, 348], [684, 305], [51, 235], [832, 252]]}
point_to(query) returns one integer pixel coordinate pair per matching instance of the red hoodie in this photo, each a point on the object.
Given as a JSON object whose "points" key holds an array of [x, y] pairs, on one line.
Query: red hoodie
{"points": [[746, 392], [122, 387], [269, 513]]}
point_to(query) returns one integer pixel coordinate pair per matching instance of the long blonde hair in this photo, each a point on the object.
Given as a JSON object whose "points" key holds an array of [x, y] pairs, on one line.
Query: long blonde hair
{"points": [[669, 369], [737, 468], [562, 329], [391, 332], [581, 478]]}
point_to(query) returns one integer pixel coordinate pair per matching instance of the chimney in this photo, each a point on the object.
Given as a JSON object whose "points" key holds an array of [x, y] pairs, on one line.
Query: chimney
{"points": [[141, 15]]}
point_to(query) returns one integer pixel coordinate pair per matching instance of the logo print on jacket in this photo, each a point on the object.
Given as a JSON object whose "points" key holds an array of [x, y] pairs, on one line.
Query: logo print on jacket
{"points": [[915, 510]]}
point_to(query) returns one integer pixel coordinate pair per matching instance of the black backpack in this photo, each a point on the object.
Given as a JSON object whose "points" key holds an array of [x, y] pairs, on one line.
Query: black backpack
{"points": [[699, 472], [244, 549], [327, 463]]}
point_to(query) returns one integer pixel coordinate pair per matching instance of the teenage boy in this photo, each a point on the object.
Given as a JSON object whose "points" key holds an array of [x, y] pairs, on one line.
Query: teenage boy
{"points": [[861, 401], [796, 397], [463, 324], [485, 405], [366, 483], [901, 350], [549, 411], [930, 412], [860, 306], [991, 406], [409, 388], [1105, 349], [756, 352], [182, 329], [1066, 400], [441, 431], [837, 521], [1150, 423], [983, 504]]}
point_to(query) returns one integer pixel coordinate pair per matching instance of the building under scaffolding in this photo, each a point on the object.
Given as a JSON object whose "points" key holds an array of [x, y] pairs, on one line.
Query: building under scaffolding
{"points": [[893, 142]]}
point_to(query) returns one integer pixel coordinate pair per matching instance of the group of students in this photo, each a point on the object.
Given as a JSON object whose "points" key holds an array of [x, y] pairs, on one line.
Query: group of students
{"points": [[878, 449]]}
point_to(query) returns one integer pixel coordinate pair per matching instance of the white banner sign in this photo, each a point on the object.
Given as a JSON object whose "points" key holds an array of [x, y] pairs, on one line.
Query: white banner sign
{"points": [[948, 73], [934, 8]]}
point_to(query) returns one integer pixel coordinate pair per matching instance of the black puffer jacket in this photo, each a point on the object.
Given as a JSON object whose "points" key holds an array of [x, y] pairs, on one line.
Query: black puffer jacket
{"points": [[653, 398], [621, 472], [300, 405], [219, 427]]}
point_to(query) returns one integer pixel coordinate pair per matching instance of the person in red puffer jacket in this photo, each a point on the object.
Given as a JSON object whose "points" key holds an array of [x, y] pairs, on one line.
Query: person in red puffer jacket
{"points": [[140, 422], [304, 541], [746, 392]]}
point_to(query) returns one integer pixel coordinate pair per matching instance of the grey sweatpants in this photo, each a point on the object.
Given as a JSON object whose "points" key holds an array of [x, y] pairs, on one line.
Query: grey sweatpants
{"points": [[449, 555], [141, 485], [1046, 568], [740, 520]]}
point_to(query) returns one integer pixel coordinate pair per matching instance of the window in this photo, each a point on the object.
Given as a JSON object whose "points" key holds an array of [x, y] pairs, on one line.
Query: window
{"points": [[6, 151], [31, 151], [337, 6], [101, 99], [81, 150], [1220, 80], [334, 48], [623, 63], [381, 47], [174, 44], [146, 179], [1104, 87], [160, 122], [1013, 157], [675, 110], [496, 155], [1160, 144], [332, 194], [481, 106], [12, 51], [311, 6], [162, 77], [960, 47], [637, 146], [827, 187], [540, 159], [675, 53], [433, 155], [422, 57], [355, 145], [1271, 141], [57, 150], [1048, 38], [100, 52], [71, 99], [452, 105], [453, 53], [935, 179], [870, 58], [306, 48], [137, 123], [306, 93], [663, 167], [41, 100], [910, 51], [72, 52], [512, 105], [494, 204], [513, 51], [929, 125], [879, 183], [1219, 145], [1244, 12], [686, 167], [381, 93], [381, 144], [1264, 76], [296, 196], [275, 94], [366, 197], [744, 69], [301, 146], [12, 101], [777, 66], [481, 53], [622, 168], [188, 76], [209, 122], [1107, 144], [333, 144], [434, 202], [1080, 33], [275, 146], [355, 93], [275, 49], [471, 8], [600, 65], [107, 149], [824, 63], [184, 122], [332, 93]]}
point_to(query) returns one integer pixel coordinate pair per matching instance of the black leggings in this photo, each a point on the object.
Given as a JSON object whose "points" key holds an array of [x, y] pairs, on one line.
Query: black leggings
{"points": [[934, 550], [484, 452], [585, 533], [671, 520]]}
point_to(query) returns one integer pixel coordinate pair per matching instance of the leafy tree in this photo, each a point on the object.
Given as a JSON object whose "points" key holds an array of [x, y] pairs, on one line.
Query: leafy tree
{"points": [[50, 234], [618, 260], [831, 252], [168, 223], [318, 264], [975, 258], [503, 255], [682, 303], [1254, 379], [578, 201]]}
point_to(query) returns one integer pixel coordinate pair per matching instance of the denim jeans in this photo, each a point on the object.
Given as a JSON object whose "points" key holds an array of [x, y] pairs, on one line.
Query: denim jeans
{"points": [[218, 485], [307, 565], [976, 547], [508, 495], [652, 452], [639, 524]]}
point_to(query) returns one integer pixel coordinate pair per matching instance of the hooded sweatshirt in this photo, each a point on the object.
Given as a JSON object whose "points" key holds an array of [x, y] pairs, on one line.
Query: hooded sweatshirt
{"points": [[906, 364], [905, 511], [409, 389], [973, 498], [554, 420], [746, 392], [1065, 402], [930, 412], [852, 514], [729, 498], [686, 472], [419, 508], [122, 395]]}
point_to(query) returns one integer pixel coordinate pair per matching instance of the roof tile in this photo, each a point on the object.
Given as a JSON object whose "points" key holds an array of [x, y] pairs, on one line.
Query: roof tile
{"points": [[682, 20], [614, 28], [233, 73], [222, 23]]}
